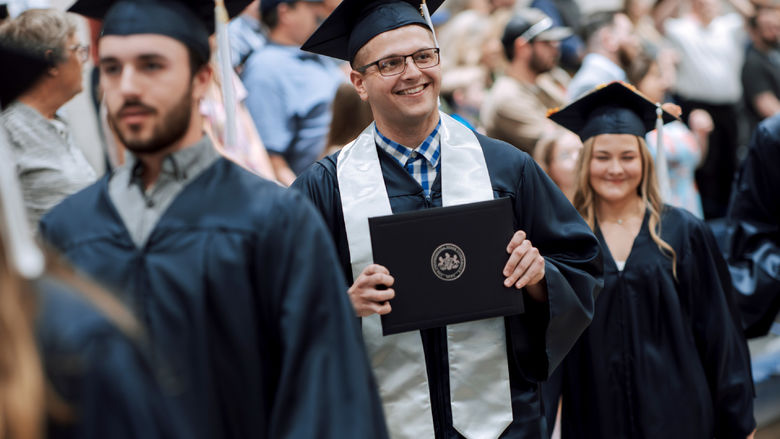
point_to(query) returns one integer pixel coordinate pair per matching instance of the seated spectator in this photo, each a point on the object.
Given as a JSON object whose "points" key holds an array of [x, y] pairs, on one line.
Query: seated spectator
{"points": [[516, 107], [685, 147], [290, 91], [48, 164], [463, 91], [557, 152], [610, 45], [711, 47], [565, 13], [247, 35], [351, 115], [761, 71]]}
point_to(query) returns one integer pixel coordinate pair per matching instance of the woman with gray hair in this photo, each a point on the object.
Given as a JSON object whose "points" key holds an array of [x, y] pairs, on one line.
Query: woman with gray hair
{"points": [[48, 164]]}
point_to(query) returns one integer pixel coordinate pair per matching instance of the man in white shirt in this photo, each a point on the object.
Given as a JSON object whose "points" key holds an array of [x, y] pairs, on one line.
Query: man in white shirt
{"points": [[711, 49]]}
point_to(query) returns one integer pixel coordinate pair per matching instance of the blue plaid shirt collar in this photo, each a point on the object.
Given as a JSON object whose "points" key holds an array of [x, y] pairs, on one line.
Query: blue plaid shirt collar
{"points": [[429, 148]]}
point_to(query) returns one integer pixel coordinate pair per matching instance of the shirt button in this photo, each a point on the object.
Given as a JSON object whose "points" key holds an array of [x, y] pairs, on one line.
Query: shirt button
{"points": [[149, 203]]}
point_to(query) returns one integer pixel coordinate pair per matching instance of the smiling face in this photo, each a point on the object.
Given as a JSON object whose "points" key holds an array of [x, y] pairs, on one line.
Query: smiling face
{"points": [[615, 168], [408, 99], [150, 94]]}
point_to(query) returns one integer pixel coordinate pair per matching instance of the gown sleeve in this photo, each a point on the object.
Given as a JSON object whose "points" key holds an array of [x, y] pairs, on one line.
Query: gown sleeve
{"points": [[717, 334], [325, 387], [545, 333], [101, 375], [754, 227]]}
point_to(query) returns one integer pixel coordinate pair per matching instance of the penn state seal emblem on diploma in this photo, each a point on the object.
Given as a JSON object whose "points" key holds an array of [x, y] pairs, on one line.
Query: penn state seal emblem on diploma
{"points": [[448, 262]]}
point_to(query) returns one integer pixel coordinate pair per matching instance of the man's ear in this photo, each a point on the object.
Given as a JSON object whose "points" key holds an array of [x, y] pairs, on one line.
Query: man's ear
{"points": [[52, 70], [358, 81], [201, 82], [519, 46]]}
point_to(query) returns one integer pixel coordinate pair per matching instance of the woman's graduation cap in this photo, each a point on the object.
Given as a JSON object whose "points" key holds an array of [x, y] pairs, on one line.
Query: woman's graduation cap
{"points": [[618, 108], [614, 108], [354, 22]]}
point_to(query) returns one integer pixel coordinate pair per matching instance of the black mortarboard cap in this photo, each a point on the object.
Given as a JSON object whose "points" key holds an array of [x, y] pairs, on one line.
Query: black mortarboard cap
{"points": [[614, 108], [21, 70], [354, 22], [188, 21]]}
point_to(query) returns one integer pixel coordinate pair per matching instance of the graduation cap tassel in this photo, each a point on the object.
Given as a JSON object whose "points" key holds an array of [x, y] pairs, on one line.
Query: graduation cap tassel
{"points": [[427, 15], [21, 249], [226, 71], [661, 167]]}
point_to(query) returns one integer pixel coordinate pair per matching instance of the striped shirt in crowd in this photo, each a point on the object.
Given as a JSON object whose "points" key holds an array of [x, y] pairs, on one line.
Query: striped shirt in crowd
{"points": [[49, 166]]}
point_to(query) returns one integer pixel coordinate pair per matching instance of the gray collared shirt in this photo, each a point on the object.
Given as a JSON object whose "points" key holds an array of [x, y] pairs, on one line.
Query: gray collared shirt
{"points": [[141, 209], [50, 167]]}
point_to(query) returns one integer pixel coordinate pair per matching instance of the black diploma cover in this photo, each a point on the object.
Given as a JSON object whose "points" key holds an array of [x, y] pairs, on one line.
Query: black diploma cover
{"points": [[447, 263]]}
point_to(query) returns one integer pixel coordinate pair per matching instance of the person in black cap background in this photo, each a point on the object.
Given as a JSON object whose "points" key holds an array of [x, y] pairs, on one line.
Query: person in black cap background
{"points": [[290, 91], [664, 355], [515, 110], [231, 275], [478, 379]]}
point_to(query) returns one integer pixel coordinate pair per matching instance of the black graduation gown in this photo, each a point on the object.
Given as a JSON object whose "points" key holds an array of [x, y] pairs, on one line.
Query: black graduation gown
{"points": [[101, 375], [237, 289], [537, 340], [754, 226], [662, 358]]}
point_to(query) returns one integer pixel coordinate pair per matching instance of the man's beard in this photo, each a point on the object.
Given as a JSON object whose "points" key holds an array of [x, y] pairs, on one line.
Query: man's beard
{"points": [[170, 128], [625, 56], [538, 65]]}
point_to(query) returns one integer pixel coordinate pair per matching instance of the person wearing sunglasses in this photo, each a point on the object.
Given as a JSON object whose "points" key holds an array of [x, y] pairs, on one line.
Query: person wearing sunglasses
{"points": [[473, 379], [48, 163]]}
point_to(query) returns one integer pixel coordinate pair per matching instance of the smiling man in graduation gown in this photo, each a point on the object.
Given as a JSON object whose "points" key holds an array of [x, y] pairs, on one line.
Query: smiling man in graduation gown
{"points": [[231, 275], [478, 379]]}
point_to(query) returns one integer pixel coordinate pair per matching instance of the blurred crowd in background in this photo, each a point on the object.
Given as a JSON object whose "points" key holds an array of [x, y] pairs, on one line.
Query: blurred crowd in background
{"points": [[505, 64]]}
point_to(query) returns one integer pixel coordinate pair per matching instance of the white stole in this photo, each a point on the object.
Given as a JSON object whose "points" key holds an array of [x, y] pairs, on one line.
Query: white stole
{"points": [[479, 372]]}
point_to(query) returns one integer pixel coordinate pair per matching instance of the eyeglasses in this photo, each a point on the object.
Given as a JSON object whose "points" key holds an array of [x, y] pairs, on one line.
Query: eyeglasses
{"points": [[395, 65], [81, 50]]}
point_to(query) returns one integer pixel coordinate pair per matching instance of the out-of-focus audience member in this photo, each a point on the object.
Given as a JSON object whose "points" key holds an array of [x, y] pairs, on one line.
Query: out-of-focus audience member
{"points": [[470, 38], [761, 71], [610, 44], [247, 34], [565, 13], [290, 91], [351, 115], [463, 91], [515, 109], [711, 47], [685, 148], [754, 225], [557, 152], [48, 163], [248, 150]]}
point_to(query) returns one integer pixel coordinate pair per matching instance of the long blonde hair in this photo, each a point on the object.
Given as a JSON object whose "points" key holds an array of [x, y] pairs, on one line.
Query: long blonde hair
{"points": [[648, 191]]}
